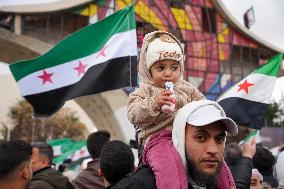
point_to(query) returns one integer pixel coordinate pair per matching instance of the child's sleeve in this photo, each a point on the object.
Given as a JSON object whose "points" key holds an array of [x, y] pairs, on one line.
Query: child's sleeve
{"points": [[142, 111], [196, 95]]}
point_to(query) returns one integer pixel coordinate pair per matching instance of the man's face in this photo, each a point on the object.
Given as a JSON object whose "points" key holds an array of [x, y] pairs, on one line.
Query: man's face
{"points": [[256, 182], [205, 147], [38, 161]]}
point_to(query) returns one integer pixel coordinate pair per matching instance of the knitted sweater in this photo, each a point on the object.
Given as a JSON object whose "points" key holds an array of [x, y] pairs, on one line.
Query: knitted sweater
{"points": [[146, 114], [142, 108]]}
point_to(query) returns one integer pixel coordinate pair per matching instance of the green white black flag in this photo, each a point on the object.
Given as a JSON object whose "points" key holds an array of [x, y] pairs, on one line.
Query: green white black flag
{"points": [[247, 101], [100, 57]]}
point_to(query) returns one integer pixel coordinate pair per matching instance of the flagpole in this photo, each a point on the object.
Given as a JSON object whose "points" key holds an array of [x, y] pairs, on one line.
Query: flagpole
{"points": [[130, 66]]}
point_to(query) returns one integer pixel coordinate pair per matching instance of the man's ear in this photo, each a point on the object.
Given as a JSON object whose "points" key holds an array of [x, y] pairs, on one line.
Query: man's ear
{"points": [[25, 172], [101, 173], [45, 161]]}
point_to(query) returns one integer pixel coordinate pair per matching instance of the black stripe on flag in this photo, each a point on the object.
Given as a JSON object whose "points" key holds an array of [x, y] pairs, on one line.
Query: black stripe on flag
{"points": [[110, 75], [245, 112]]}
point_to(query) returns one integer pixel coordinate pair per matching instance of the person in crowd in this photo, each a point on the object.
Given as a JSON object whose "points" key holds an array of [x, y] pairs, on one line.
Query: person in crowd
{"points": [[15, 164], [44, 176], [199, 133], [64, 168], [116, 161], [263, 160], [161, 61], [240, 162], [90, 178], [256, 179], [279, 170]]}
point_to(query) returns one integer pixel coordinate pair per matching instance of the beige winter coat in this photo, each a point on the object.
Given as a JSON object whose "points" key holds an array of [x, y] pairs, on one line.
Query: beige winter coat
{"points": [[142, 108]]}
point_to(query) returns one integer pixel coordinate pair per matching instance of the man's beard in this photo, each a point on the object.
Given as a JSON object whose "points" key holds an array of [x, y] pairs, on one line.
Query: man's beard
{"points": [[201, 178]]}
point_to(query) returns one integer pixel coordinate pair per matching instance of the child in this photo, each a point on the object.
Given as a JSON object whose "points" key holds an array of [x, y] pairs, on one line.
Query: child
{"points": [[161, 61]]}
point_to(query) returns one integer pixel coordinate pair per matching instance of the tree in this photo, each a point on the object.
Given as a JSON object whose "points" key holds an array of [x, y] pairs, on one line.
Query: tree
{"points": [[64, 123], [275, 114]]}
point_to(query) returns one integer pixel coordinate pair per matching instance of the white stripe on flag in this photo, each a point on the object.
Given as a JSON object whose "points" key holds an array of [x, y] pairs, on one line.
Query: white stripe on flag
{"points": [[57, 150], [119, 45], [260, 92], [81, 153]]}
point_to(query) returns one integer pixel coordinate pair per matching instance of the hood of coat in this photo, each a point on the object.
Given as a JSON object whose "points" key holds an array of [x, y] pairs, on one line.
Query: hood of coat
{"points": [[279, 169]]}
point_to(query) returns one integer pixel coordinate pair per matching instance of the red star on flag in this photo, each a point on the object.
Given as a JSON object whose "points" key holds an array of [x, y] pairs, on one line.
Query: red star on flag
{"points": [[82, 152], [244, 86], [46, 77], [102, 52], [81, 68]]}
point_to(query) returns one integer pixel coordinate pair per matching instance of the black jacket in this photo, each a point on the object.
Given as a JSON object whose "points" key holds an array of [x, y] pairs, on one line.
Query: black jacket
{"points": [[268, 177], [241, 172], [143, 178], [48, 178]]}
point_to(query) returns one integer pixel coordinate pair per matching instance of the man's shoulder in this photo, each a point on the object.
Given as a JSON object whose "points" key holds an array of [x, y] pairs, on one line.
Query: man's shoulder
{"points": [[91, 170], [35, 184], [49, 176], [89, 177], [140, 179], [43, 173]]}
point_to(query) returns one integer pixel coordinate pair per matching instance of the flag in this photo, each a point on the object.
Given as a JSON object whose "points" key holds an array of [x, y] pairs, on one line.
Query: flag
{"points": [[247, 138], [68, 149], [99, 57], [59, 146], [249, 18], [247, 101]]}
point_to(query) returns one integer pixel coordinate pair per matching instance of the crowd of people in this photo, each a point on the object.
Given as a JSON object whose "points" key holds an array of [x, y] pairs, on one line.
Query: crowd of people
{"points": [[182, 135], [201, 147]]}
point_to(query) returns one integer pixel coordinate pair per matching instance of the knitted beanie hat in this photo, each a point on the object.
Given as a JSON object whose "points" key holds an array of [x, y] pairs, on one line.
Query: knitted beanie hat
{"points": [[163, 47]]}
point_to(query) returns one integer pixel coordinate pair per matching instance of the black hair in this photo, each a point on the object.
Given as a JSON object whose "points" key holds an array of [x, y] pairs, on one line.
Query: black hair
{"points": [[116, 161], [13, 154], [96, 142], [62, 167], [263, 159], [45, 150]]}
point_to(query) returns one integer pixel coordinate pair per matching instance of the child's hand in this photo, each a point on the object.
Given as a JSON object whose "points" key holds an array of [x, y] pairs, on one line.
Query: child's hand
{"points": [[164, 98]]}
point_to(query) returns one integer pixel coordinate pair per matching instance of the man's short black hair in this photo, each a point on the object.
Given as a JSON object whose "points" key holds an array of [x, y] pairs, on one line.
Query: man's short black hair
{"points": [[96, 142], [12, 155], [45, 150], [116, 161], [263, 159]]}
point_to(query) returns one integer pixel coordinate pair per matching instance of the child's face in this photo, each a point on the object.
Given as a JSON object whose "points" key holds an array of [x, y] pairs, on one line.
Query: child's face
{"points": [[165, 70]]}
